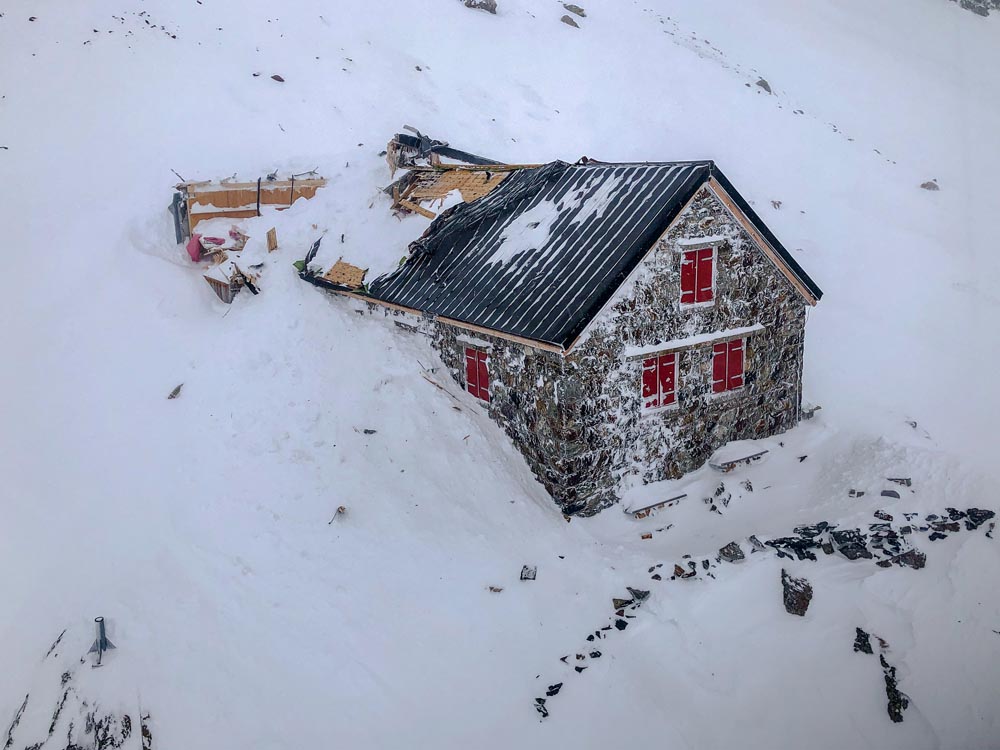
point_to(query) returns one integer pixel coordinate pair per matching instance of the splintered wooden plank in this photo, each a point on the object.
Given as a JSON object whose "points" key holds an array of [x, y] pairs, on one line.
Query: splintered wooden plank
{"points": [[411, 206], [272, 240]]}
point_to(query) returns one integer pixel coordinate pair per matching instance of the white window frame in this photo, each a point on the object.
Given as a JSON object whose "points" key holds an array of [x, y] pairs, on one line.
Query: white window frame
{"points": [[693, 247], [647, 410]]}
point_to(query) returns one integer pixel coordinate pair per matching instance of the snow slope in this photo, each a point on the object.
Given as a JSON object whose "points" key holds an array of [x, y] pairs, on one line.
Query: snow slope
{"points": [[200, 527]]}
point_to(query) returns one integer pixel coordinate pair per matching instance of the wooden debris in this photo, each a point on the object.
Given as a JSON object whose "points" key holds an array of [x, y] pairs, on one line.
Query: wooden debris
{"points": [[341, 510], [346, 275], [727, 466], [648, 510], [272, 240]]}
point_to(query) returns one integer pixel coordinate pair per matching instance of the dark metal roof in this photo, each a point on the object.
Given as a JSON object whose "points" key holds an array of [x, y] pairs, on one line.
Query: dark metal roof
{"points": [[541, 254]]}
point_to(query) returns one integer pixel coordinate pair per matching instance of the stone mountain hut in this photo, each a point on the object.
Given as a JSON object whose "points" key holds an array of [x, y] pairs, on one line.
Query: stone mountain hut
{"points": [[618, 320]]}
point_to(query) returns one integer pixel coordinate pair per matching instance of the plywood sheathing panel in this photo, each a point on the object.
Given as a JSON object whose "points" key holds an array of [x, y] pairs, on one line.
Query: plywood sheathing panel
{"points": [[346, 275], [471, 184], [238, 200]]}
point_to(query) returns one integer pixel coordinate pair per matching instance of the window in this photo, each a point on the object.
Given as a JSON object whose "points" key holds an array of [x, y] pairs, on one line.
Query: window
{"points": [[697, 276], [658, 381], [727, 366], [477, 375]]}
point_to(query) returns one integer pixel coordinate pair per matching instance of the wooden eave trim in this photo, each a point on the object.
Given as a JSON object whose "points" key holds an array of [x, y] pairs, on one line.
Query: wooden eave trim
{"points": [[762, 243], [456, 323]]}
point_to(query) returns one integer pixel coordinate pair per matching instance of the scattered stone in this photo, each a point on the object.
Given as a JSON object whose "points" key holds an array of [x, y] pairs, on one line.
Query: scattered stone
{"points": [[579, 669], [277, 78], [595, 654], [175, 392], [575, 9], [621, 624], [495, 589], [827, 547], [862, 641], [890, 493], [935, 536], [802, 458], [647, 535], [930, 185], [656, 577], [797, 593], [850, 543], [638, 594], [856, 493], [945, 526], [620, 603], [801, 547], [368, 431], [490, 6], [553, 689], [903, 481], [540, 707], [813, 530], [881, 514], [898, 702], [762, 83], [976, 518], [568, 20], [756, 543], [732, 553], [776, 205], [884, 563], [912, 558]]}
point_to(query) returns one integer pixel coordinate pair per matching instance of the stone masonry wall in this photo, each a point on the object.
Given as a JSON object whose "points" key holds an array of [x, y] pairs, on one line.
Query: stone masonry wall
{"points": [[609, 439], [523, 395]]}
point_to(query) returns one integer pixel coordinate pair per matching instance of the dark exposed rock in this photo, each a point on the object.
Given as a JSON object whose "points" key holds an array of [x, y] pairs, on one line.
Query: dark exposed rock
{"points": [[883, 515], [945, 526], [638, 594], [813, 530], [902, 481], [828, 547], [977, 518], [801, 547], [850, 543], [935, 536], [732, 553], [796, 593], [568, 20], [554, 689], [862, 641], [856, 493], [575, 9], [756, 544], [898, 702], [884, 563], [930, 185], [621, 624], [890, 493], [762, 83], [540, 707], [620, 603], [490, 6], [277, 78], [912, 558]]}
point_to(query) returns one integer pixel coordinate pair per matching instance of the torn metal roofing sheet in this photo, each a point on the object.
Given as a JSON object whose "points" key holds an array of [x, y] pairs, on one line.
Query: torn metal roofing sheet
{"points": [[540, 255]]}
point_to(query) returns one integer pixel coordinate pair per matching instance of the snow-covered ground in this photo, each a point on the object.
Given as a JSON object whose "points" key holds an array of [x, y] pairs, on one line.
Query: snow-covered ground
{"points": [[201, 526]]}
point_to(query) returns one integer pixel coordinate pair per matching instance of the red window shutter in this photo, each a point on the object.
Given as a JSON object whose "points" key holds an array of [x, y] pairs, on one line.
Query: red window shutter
{"points": [[484, 378], [688, 286], [472, 371], [735, 365], [703, 292], [650, 391], [667, 372], [719, 362]]}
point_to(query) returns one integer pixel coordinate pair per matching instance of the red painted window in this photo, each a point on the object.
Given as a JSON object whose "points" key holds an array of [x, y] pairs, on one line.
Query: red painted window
{"points": [[659, 381], [477, 375], [696, 276], [727, 366]]}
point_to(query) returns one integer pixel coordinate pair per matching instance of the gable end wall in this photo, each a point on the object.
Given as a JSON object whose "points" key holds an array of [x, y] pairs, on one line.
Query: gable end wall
{"points": [[615, 442]]}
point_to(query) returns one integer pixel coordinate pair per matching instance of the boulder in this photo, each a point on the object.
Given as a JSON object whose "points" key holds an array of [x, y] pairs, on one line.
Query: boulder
{"points": [[796, 593], [732, 553], [490, 6], [912, 558], [568, 20]]}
